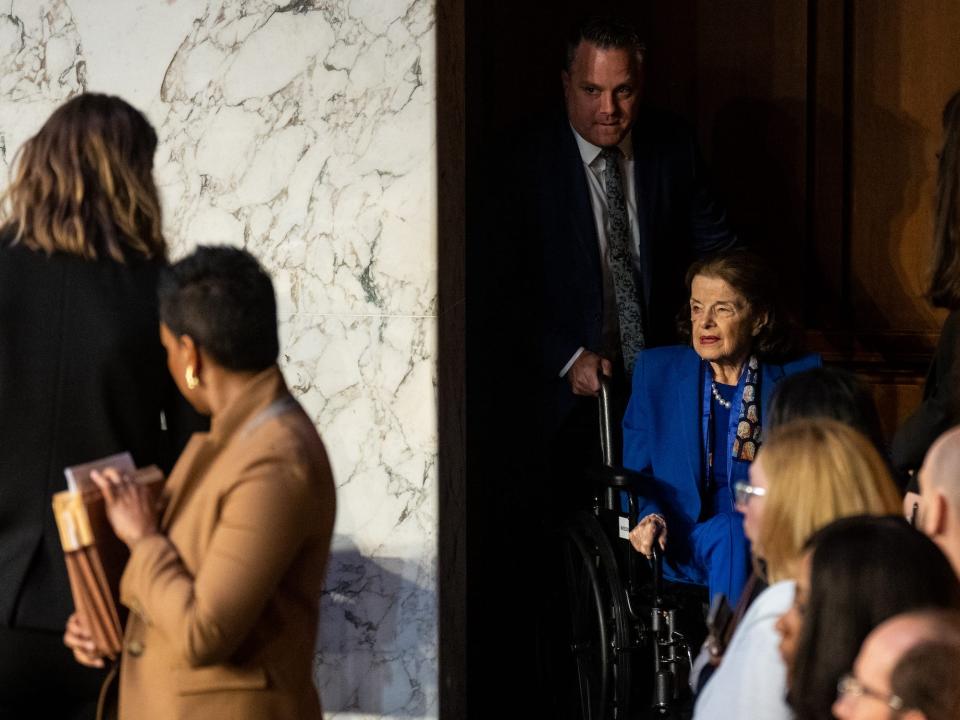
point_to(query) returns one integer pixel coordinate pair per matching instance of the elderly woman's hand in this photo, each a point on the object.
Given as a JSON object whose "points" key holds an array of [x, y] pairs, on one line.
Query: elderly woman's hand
{"points": [[131, 510], [78, 639], [641, 537]]}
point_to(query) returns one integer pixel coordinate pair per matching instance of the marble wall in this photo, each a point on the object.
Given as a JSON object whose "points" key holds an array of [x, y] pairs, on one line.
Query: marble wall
{"points": [[305, 132]]}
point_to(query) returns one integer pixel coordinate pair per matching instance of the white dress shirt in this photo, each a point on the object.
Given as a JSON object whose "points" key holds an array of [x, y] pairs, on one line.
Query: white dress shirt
{"points": [[595, 170]]}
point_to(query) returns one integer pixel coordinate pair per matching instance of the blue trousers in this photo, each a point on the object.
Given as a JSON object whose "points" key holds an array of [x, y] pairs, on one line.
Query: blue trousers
{"points": [[723, 552], [715, 553]]}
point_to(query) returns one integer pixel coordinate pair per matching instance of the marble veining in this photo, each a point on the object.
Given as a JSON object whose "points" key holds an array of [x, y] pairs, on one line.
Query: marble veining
{"points": [[303, 131]]}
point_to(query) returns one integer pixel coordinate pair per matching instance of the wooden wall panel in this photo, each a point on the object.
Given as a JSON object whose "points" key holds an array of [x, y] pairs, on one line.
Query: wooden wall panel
{"points": [[896, 398], [906, 64], [821, 120], [751, 103], [826, 182]]}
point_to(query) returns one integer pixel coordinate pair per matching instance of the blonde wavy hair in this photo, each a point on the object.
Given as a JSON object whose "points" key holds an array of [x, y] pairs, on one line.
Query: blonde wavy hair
{"points": [[84, 185], [818, 470]]}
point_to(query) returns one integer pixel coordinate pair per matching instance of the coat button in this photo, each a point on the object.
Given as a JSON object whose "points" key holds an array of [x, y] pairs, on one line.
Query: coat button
{"points": [[135, 648]]}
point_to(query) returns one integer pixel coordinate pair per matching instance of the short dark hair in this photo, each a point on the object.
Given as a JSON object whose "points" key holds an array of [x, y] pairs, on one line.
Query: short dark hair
{"points": [[865, 569], [944, 290], [604, 32], [747, 273], [223, 299], [830, 393], [927, 678]]}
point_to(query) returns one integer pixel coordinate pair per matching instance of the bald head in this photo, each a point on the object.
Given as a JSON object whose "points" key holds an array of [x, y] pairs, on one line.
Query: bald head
{"points": [[913, 656], [892, 638], [940, 495], [888, 642], [941, 466]]}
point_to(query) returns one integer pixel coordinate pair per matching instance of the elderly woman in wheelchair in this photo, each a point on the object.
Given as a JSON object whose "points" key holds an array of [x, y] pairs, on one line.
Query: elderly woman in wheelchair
{"points": [[695, 417]]}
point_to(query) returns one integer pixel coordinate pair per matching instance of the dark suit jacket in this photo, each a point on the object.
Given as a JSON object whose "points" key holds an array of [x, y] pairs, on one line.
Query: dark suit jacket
{"points": [[678, 221], [82, 376], [940, 409]]}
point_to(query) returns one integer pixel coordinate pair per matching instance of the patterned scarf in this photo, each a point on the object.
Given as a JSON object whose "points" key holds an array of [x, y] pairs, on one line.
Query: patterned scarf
{"points": [[747, 442]]}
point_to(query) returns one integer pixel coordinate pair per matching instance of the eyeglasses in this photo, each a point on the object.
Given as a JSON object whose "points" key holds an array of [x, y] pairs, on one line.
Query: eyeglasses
{"points": [[742, 491], [849, 685]]}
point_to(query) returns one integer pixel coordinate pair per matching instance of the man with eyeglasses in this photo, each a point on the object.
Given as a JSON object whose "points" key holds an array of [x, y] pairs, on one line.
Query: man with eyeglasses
{"points": [[908, 668]]}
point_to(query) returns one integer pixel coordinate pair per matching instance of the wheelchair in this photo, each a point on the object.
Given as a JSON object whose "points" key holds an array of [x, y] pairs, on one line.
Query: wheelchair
{"points": [[632, 635]]}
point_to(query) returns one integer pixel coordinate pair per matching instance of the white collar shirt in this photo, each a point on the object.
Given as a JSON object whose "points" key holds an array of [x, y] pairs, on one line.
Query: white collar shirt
{"points": [[595, 170]]}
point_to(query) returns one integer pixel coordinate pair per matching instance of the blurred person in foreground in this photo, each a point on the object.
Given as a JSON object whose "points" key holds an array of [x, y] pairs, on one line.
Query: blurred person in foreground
{"points": [[82, 372], [808, 473], [908, 666], [855, 573], [940, 408], [939, 485], [224, 586], [695, 420]]}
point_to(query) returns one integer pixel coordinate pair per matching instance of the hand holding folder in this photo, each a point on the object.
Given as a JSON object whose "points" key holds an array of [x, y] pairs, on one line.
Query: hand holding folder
{"points": [[94, 555]]}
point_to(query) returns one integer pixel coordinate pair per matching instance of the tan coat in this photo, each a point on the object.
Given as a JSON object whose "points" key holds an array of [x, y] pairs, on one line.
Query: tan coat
{"points": [[224, 602]]}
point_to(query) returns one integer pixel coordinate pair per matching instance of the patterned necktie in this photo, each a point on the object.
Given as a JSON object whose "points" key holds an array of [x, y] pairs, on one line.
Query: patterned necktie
{"points": [[621, 264]]}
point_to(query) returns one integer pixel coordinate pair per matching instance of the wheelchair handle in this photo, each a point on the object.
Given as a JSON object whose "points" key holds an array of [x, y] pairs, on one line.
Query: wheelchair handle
{"points": [[656, 565], [606, 426]]}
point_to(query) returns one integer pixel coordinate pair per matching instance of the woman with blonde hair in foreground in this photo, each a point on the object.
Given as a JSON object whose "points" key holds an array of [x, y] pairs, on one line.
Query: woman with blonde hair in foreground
{"points": [[808, 473]]}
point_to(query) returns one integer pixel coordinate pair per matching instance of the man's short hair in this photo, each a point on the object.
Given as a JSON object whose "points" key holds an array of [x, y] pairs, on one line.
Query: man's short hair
{"points": [[927, 678], [606, 33]]}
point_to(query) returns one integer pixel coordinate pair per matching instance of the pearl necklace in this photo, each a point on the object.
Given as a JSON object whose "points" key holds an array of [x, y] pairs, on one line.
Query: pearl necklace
{"points": [[725, 404]]}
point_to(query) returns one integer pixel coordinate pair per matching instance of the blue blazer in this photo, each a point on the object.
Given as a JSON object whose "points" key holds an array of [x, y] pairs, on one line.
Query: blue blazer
{"points": [[662, 427]]}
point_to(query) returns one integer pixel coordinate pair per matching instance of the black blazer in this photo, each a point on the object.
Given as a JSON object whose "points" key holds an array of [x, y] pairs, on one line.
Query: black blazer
{"points": [[940, 409], [82, 375], [678, 221]]}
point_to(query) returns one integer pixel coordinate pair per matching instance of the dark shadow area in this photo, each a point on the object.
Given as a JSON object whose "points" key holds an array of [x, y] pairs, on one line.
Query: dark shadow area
{"points": [[757, 151], [518, 660], [451, 357]]}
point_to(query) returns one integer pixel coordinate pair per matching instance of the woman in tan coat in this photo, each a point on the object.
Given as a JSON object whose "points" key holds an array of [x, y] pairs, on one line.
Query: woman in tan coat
{"points": [[224, 585]]}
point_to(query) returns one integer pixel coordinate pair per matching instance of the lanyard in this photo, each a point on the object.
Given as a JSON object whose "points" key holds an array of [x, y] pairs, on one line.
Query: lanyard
{"points": [[706, 405]]}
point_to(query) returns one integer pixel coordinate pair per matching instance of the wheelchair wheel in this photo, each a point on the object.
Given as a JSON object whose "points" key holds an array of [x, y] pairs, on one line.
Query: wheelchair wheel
{"points": [[600, 629]]}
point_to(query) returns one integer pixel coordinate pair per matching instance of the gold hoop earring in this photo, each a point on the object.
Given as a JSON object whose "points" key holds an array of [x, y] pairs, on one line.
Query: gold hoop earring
{"points": [[193, 382]]}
